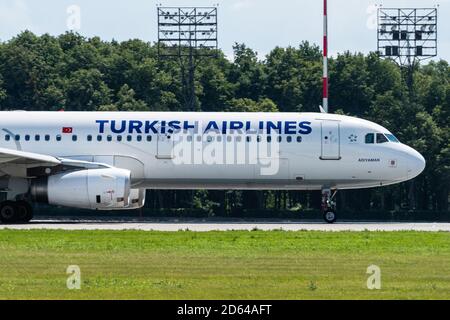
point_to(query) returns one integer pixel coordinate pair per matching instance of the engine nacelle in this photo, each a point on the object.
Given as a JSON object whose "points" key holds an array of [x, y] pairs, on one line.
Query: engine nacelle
{"points": [[101, 189], [137, 200]]}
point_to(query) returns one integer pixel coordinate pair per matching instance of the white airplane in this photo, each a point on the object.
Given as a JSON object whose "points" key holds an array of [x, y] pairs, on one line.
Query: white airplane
{"points": [[106, 161]]}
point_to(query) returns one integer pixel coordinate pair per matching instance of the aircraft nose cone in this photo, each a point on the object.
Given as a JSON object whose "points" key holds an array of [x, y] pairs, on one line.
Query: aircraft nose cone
{"points": [[416, 164]]}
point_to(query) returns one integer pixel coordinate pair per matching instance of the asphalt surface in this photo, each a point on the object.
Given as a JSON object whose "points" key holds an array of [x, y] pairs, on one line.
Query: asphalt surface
{"points": [[205, 225]]}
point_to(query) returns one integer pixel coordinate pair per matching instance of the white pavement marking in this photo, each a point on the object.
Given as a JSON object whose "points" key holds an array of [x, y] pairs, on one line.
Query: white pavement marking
{"points": [[226, 226]]}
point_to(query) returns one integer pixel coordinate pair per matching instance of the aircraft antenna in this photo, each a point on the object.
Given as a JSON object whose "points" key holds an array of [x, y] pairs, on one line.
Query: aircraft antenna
{"points": [[325, 55]]}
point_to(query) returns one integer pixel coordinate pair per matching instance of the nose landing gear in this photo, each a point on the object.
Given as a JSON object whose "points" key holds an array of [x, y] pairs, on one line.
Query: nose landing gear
{"points": [[329, 205]]}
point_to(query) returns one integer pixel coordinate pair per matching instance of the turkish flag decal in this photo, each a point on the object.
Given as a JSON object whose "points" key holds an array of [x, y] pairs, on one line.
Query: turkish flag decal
{"points": [[67, 130]]}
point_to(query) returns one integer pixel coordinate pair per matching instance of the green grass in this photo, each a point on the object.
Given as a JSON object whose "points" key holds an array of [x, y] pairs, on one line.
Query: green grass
{"points": [[223, 265]]}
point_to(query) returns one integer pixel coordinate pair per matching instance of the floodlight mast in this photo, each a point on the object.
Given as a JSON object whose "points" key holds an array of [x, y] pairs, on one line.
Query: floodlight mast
{"points": [[187, 34], [325, 55], [407, 36]]}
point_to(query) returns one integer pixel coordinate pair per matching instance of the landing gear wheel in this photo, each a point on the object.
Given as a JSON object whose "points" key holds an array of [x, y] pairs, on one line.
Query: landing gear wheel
{"points": [[8, 212], [24, 211], [329, 216], [329, 205]]}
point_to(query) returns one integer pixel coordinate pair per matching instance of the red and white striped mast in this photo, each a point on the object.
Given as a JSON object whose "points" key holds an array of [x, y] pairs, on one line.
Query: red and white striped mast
{"points": [[325, 55]]}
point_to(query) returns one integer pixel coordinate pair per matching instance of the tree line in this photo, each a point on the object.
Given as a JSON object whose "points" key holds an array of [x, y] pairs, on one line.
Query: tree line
{"points": [[75, 73]]}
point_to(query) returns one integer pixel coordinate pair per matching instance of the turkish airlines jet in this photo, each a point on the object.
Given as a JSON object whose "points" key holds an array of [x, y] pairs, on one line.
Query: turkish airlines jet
{"points": [[106, 161]]}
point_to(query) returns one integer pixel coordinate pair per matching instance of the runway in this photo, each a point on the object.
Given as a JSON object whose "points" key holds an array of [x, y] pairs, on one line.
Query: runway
{"points": [[204, 225]]}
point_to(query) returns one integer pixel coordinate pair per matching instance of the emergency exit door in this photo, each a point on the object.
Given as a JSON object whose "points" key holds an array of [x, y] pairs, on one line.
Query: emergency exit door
{"points": [[331, 146], [165, 146]]}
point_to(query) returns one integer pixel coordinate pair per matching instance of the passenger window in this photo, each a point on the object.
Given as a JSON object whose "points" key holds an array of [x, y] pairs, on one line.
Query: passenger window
{"points": [[249, 139], [269, 139], [381, 138], [47, 137], [299, 139], [119, 138], [17, 137], [89, 138], [129, 138], [27, 137], [7, 137], [370, 138], [74, 138], [280, 139], [37, 137], [289, 139], [58, 137], [99, 138], [139, 138], [109, 138], [149, 138]]}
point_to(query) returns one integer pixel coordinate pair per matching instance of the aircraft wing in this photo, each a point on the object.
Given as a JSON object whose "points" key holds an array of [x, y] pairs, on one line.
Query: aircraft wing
{"points": [[16, 163], [9, 156]]}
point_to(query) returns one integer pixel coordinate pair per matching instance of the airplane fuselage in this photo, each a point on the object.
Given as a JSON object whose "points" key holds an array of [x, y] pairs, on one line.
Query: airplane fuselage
{"points": [[170, 150]]}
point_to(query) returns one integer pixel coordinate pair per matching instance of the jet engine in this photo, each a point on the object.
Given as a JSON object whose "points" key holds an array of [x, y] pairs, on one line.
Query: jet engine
{"points": [[99, 189]]}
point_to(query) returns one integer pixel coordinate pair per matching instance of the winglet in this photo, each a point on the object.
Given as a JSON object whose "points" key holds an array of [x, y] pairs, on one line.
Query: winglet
{"points": [[322, 110]]}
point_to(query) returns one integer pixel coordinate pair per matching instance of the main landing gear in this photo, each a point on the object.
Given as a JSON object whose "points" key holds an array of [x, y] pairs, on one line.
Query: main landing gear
{"points": [[15, 212], [329, 205]]}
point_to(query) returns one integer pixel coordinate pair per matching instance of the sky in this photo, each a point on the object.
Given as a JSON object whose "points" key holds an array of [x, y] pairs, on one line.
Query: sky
{"points": [[260, 24]]}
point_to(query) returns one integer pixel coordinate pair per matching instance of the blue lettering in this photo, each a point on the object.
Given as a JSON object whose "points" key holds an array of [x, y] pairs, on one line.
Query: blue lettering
{"points": [[102, 125], [212, 125], [290, 127], [271, 125], [135, 125], [305, 127], [150, 126], [236, 125], [122, 128], [187, 126], [175, 126], [261, 126], [224, 127]]}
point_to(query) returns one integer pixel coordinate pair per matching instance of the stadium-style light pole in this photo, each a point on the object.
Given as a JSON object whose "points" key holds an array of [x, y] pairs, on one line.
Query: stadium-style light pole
{"points": [[187, 34], [407, 36], [325, 55]]}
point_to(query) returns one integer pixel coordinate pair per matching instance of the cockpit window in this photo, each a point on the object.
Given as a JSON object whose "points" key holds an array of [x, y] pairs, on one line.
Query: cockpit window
{"points": [[370, 138], [391, 137], [381, 138]]}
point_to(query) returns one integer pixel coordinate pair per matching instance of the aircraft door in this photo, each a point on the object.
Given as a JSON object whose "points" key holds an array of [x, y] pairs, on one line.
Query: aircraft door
{"points": [[331, 147], [165, 146]]}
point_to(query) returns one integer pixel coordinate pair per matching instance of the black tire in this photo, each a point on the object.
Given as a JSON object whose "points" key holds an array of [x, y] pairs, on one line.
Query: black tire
{"points": [[329, 216], [24, 212], [8, 212]]}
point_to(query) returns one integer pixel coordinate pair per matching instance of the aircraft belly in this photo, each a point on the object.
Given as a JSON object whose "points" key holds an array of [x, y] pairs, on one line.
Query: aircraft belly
{"points": [[247, 184]]}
